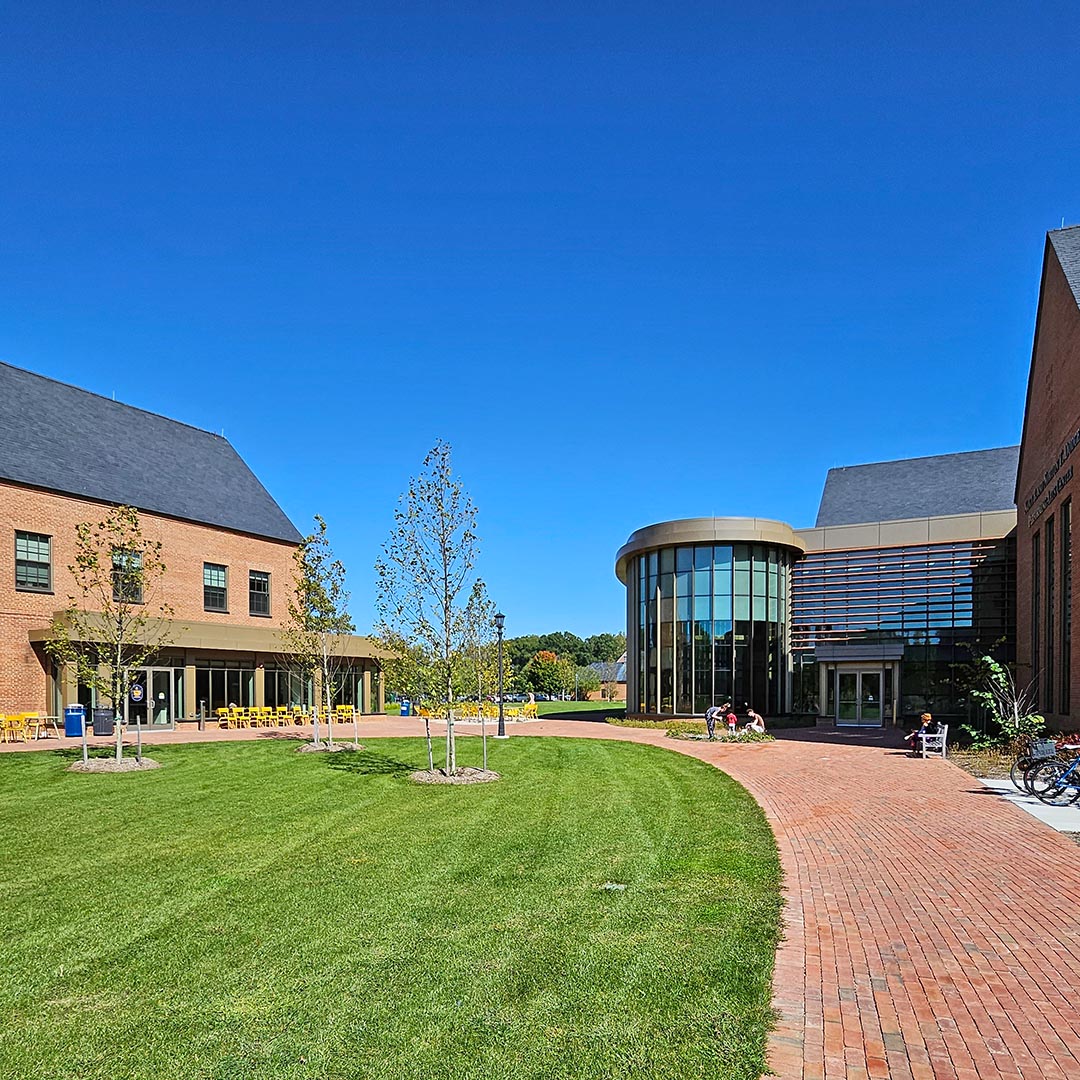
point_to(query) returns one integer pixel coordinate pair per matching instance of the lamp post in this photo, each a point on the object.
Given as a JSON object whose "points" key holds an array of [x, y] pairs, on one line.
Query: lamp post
{"points": [[500, 621]]}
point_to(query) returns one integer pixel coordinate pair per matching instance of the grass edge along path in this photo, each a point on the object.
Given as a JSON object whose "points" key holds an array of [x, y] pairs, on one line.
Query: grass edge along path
{"points": [[250, 912]]}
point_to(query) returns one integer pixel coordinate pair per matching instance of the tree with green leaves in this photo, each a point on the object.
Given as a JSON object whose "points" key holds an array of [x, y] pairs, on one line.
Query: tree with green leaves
{"points": [[116, 620], [426, 565], [586, 682], [481, 651], [319, 624], [605, 648], [410, 672]]}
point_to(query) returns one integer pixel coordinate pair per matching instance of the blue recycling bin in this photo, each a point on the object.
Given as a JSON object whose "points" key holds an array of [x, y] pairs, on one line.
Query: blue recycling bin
{"points": [[406, 707], [74, 715]]}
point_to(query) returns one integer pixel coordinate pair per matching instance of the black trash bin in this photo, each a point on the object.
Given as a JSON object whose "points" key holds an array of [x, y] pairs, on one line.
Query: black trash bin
{"points": [[104, 723]]}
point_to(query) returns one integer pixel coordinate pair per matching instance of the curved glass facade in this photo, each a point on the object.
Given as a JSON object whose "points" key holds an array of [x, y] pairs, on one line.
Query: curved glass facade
{"points": [[710, 627]]}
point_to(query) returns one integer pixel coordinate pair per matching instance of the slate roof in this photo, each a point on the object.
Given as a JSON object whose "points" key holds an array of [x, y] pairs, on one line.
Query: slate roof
{"points": [[61, 438], [964, 483], [1066, 243]]}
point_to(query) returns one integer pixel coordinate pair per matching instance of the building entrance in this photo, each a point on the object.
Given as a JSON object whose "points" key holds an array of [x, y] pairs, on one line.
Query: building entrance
{"points": [[161, 701], [859, 698]]}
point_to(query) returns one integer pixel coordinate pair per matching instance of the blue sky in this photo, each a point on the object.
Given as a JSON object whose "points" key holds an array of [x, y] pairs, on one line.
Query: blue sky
{"points": [[634, 263]]}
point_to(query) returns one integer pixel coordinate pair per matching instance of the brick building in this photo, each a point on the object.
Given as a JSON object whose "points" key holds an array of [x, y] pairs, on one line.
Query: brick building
{"points": [[1046, 482], [66, 456]]}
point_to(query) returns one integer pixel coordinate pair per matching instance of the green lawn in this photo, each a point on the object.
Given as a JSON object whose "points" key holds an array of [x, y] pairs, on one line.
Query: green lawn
{"points": [[248, 912]]}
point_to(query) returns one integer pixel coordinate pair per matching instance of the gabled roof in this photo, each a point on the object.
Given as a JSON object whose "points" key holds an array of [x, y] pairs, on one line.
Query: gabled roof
{"points": [[966, 483], [61, 438], [1065, 245]]}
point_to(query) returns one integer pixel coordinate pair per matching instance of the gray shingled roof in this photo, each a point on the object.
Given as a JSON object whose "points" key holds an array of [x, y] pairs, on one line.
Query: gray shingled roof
{"points": [[1067, 248], [61, 438], [920, 487]]}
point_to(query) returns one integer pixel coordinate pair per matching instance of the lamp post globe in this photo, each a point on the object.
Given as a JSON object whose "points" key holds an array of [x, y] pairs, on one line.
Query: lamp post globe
{"points": [[500, 622]]}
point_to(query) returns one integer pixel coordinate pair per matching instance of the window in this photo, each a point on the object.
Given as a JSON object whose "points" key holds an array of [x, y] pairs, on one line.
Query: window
{"points": [[1066, 606], [127, 569], [215, 587], [1048, 645], [1036, 578], [33, 566], [259, 593]]}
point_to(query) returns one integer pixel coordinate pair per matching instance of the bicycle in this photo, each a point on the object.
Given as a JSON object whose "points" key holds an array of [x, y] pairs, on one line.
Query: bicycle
{"points": [[1033, 752], [1057, 782]]}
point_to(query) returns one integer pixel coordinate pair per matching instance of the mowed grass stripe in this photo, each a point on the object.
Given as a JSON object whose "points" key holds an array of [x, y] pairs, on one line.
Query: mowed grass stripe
{"points": [[251, 912]]}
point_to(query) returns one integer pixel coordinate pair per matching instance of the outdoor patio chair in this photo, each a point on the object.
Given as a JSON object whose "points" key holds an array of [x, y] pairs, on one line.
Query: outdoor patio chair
{"points": [[13, 729], [935, 743]]}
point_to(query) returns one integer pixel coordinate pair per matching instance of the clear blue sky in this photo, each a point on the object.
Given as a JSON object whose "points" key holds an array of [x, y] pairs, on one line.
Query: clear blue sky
{"points": [[640, 263]]}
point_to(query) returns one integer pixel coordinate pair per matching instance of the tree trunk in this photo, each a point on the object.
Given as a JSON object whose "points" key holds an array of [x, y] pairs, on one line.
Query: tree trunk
{"points": [[138, 741], [427, 733]]}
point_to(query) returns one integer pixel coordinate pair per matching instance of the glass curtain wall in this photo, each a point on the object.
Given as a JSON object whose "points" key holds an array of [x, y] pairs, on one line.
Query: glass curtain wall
{"points": [[711, 627], [223, 683], [938, 600], [285, 688]]}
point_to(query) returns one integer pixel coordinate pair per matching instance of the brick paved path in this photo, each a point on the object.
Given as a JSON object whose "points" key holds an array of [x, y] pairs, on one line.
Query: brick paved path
{"points": [[932, 930]]}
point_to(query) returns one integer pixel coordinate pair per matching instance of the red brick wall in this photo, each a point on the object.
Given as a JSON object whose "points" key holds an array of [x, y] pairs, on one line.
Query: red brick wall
{"points": [[185, 547], [1053, 416]]}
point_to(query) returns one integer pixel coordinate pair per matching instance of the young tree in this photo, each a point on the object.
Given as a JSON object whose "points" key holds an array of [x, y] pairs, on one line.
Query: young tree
{"points": [[482, 652], [115, 621], [426, 564], [586, 681], [993, 685], [542, 674], [319, 624], [410, 672]]}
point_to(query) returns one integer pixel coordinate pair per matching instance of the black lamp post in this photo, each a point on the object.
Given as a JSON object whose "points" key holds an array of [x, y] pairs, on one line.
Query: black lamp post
{"points": [[500, 621]]}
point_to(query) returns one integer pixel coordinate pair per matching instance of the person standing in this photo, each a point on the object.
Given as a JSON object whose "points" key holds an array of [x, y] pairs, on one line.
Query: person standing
{"points": [[711, 713]]}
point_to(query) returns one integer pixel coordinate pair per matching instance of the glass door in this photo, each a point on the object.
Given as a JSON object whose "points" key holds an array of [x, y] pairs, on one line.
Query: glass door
{"points": [[847, 697], [870, 698], [161, 708], [152, 700], [858, 699], [135, 705]]}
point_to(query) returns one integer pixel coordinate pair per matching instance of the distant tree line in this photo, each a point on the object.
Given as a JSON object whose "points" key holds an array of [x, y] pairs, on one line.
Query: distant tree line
{"points": [[600, 648]]}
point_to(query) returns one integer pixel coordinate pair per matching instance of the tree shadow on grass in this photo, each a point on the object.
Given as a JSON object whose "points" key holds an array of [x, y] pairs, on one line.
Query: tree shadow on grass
{"points": [[74, 753], [370, 763]]}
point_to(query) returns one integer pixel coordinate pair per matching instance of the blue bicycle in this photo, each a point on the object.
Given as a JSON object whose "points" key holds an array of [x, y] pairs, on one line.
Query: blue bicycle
{"points": [[1057, 782]]}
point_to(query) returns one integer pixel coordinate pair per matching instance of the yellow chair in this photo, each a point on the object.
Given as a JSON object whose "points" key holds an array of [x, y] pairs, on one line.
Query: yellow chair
{"points": [[282, 717], [13, 729], [530, 712], [224, 720]]}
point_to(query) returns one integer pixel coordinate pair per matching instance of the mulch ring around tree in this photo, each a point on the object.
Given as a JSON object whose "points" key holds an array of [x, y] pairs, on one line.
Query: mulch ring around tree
{"points": [[325, 748], [111, 765], [467, 775]]}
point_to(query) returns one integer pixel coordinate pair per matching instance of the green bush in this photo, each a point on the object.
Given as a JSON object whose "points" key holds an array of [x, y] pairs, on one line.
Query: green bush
{"points": [[675, 728], [688, 729]]}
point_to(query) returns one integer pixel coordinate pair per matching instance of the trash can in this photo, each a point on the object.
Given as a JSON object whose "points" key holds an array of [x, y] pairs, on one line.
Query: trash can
{"points": [[74, 715], [103, 722], [406, 707]]}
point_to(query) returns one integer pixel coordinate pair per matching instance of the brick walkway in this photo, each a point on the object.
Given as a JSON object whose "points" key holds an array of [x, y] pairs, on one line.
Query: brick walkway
{"points": [[932, 930]]}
